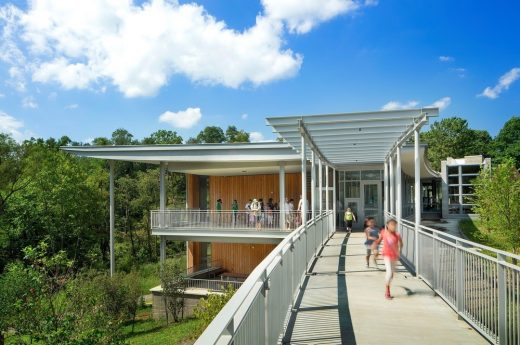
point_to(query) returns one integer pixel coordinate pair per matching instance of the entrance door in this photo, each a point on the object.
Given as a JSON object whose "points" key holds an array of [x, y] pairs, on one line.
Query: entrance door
{"points": [[371, 201]]}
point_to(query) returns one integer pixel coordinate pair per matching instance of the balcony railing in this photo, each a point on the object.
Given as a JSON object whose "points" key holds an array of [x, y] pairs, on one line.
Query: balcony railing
{"points": [[212, 284], [229, 220]]}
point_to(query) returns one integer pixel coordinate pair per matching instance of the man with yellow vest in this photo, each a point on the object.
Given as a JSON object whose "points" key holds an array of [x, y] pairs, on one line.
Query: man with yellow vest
{"points": [[349, 218]]}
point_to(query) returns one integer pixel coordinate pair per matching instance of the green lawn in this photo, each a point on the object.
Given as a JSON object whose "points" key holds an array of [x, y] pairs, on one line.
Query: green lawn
{"points": [[150, 332]]}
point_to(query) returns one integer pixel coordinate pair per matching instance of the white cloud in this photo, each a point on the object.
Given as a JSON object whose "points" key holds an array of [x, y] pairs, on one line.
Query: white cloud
{"points": [[444, 58], [244, 116], [182, 119], [395, 105], [504, 83], [255, 137], [72, 106], [442, 103], [461, 72], [29, 102], [12, 126], [301, 16]]}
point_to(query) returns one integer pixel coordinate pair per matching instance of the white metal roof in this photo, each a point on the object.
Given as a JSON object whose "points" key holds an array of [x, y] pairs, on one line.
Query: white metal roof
{"points": [[352, 138]]}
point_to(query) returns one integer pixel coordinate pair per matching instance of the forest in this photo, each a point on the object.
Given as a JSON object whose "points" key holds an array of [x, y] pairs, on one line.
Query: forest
{"points": [[54, 227]]}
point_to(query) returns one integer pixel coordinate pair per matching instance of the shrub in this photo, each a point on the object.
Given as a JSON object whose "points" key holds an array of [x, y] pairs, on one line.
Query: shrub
{"points": [[209, 307]]}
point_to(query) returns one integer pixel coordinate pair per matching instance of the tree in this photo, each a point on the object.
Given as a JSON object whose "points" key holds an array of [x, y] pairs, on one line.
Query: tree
{"points": [[507, 142], [173, 287], [163, 137], [207, 309], [122, 137], [497, 201], [452, 137], [101, 141], [233, 135], [209, 135], [12, 168]]}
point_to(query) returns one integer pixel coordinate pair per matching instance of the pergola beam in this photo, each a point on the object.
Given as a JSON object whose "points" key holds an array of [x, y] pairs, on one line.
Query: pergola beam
{"points": [[308, 139]]}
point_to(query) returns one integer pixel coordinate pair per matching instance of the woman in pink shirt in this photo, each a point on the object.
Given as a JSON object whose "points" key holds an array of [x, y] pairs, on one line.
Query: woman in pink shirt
{"points": [[392, 244]]}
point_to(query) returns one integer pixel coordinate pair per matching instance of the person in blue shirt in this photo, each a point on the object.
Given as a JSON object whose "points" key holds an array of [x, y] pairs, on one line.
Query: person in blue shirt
{"points": [[372, 234]]}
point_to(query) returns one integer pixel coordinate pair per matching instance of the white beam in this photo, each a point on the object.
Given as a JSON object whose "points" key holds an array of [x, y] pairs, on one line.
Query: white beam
{"points": [[320, 182], [313, 184], [417, 190], [392, 185], [112, 219], [282, 195]]}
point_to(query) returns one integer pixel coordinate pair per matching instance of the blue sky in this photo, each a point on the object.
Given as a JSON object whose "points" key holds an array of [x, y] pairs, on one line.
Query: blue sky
{"points": [[88, 68]]}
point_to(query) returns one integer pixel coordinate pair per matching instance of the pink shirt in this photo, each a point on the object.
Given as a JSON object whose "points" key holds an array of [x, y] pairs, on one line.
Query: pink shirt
{"points": [[390, 244]]}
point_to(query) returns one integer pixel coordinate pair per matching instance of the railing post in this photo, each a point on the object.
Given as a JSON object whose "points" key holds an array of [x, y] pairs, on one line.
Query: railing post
{"points": [[459, 278], [502, 302], [434, 262], [265, 292]]}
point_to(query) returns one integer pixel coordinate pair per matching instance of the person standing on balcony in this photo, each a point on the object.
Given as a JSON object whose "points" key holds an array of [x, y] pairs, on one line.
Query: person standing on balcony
{"points": [[392, 245], [256, 209], [270, 213], [349, 218], [287, 214], [234, 208], [248, 212], [219, 211]]}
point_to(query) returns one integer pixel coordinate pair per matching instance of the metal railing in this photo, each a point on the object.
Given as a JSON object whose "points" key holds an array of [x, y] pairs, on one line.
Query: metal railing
{"points": [[225, 219], [212, 284], [482, 284], [203, 267], [258, 312]]}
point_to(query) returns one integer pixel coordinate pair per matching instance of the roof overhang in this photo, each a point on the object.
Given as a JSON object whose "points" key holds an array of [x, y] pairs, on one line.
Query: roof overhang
{"points": [[407, 162], [352, 138]]}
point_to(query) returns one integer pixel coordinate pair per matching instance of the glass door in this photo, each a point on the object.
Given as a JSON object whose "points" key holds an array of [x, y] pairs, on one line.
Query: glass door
{"points": [[371, 201]]}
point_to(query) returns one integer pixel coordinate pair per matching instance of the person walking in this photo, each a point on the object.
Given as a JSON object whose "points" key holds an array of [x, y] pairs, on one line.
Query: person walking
{"points": [[256, 210], [234, 209], [372, 235], [219, 211], [392, 245], [349, 218]]}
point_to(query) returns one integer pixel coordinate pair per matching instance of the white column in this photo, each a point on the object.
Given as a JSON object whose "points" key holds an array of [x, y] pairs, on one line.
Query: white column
{"points": [[334, 201], [282, 194], [162, 207], [112, 220], [387, 190], [327, 198], [391, 185], [417, 190], [304, 183], [313, 184], [399, 187], [320, 181]]}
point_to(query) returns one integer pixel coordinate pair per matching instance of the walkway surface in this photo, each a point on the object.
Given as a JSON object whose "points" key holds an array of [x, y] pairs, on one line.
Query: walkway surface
{"points": [[343, 303]]}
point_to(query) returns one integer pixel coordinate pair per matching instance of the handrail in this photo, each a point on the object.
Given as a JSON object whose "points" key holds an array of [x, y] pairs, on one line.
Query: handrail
{"points": [[231, 324], [476, 280]]}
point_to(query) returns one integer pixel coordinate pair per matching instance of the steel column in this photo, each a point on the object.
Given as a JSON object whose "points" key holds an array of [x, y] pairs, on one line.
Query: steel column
{"points": [[112, 220], [327, 199], [162, 207], [320, 181], [399, 188], [417, 191], [391, 185], [282, 195], [334, 201], [304, 182], [387, 190], [313, 184]]}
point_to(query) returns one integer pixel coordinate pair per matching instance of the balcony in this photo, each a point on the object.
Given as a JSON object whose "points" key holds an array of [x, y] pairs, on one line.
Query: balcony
{"points": [[225, 226]]}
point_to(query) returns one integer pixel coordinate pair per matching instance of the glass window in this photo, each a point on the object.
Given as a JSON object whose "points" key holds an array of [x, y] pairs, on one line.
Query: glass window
{"points": [[453, 180], [371, 175], [468, 199], [470, 169], [351, 189], [453, 170], [468, 189], [454, 199], [453, 190], [352, 175], [370, 196], [468, 179]]}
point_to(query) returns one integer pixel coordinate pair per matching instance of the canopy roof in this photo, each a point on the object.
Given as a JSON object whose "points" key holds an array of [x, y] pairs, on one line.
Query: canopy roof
{"points": [[350, 138]]}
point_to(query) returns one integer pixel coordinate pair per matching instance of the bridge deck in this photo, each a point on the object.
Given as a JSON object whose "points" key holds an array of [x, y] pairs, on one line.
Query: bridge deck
{"points": [[343, 303]]}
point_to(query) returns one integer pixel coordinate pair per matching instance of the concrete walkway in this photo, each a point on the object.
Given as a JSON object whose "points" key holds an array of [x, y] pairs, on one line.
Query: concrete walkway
{"points": [[343, 303]]}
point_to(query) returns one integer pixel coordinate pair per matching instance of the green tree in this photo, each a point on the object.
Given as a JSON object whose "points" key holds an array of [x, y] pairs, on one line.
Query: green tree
{"points": [[163, 137], [497, 201], [233, 135], [173, 287], [122, 137], [208, 308], [507, 142], [209, 135], [12, 169], [101, 141], [452, 137]]}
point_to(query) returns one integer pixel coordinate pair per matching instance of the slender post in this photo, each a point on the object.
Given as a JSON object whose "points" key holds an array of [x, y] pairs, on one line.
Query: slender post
{"points": [[162, 206], [304, 183], [334, 201], [112, 220], [502, 300], [399, 188], [391, 185], [282, 194], [313, 184], [387, 190], [327, 198], [417, 190], [320, 181]]}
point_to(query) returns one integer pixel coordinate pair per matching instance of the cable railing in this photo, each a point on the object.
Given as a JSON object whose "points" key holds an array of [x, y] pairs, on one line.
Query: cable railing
{"points": [[226, 220], [257, 313], [482, 284]]}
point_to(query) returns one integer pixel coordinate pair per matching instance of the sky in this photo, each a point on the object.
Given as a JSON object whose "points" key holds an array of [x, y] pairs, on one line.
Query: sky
{"points": [[85, 68]]}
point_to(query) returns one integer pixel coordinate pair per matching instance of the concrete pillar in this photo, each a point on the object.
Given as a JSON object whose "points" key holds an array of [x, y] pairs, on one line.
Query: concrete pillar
{"points": [[444, 190], [387, 190], [399, 187], [327, 198], [313, 184], [304, 183], [112, 219], [391, 184], [281, 180], [320, 182], [417, 190]]}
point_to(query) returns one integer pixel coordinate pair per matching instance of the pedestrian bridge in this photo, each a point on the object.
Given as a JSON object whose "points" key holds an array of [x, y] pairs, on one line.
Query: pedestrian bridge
{"points": [[314, 288]]}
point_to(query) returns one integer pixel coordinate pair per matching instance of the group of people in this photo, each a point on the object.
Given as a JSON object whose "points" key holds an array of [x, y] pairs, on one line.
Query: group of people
{"points": [[390, 239]]}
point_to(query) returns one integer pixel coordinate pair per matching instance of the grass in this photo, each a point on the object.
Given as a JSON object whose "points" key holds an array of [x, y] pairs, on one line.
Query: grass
{"points": [[148, 331]]}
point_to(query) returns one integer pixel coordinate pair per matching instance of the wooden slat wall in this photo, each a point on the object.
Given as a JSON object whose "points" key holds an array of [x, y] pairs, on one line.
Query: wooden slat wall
{"points": [[193, 184], [243, 188], [238, 257]]}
